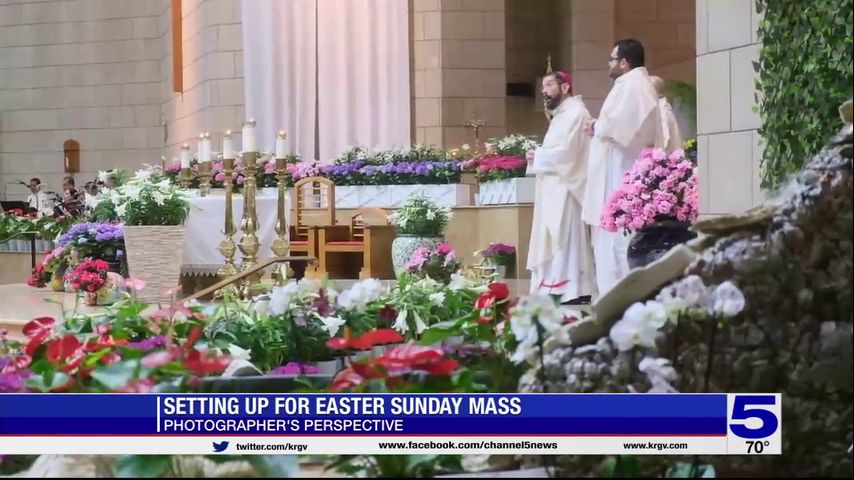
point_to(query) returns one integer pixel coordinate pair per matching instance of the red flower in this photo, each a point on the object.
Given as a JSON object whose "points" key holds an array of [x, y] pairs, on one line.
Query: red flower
{"points": [[204, 364], [410, 357], [367, 341], [345, 380], [497, 292], [62, 348], [37, 331], [192, 338]]}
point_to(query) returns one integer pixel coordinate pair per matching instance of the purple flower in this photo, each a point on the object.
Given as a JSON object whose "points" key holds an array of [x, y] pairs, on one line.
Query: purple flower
{"points": [[295, 368], [148, 343]]}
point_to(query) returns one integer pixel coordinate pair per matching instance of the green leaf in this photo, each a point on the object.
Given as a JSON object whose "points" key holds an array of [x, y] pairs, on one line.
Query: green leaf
{"points": [[49, 381], [275, 466], [145, 466], [116, 375]]}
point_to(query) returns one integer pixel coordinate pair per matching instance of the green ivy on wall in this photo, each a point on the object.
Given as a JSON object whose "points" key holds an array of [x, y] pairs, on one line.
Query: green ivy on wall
{"points": [[805, 74]]}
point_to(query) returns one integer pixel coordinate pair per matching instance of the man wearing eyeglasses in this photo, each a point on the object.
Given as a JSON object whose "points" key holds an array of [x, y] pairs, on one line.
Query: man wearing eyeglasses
{"points": [[628, 122]]}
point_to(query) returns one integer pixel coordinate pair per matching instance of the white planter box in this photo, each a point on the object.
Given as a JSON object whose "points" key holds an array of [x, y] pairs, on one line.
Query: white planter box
{"points": [[393, 196], [503, 192]]}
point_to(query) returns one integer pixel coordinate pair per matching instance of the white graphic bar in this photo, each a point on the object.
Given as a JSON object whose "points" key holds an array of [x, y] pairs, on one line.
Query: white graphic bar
{"points": [[374, 445]]}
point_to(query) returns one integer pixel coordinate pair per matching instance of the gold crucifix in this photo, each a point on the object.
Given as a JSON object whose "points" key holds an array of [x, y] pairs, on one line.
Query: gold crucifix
{"points": [[475, 124]]}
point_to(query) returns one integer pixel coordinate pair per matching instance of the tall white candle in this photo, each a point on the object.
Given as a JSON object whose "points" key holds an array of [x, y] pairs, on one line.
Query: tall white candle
{"points": [[200, 152], [206, 148], [185, 156], [249, 136], [227, 146], [280, 144]]}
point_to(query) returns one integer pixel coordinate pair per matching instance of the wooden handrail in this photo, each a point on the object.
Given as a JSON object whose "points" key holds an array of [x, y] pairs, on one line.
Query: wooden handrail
{"points": [[241, 275]]}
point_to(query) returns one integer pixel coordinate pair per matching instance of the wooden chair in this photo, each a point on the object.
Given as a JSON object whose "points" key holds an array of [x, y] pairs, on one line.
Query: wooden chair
{"points": [[313, 200], [365, 242]]}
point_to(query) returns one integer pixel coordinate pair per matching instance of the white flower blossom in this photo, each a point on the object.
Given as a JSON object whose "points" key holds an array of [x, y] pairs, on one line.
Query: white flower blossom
{"points": [[431, 215], [261, 306], [458, 282], [360, 294], [121, 210], [142, 175], [466, 147], [437, 299], [525, 316], [159, 198], [639, 326], [103, 176], [332, 324], [427, 283], [727, 300], [400, 322], [693, 291], [660, 373], [281, 298], [420, 326]]}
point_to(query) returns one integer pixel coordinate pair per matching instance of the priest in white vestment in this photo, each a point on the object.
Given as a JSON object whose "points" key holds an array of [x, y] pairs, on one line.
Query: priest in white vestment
{"points": [[671, 137], [628, 122], [560, 257]]}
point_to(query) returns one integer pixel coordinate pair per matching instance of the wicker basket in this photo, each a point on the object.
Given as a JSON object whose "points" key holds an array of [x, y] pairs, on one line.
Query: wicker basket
{"points": [[154, 255]]}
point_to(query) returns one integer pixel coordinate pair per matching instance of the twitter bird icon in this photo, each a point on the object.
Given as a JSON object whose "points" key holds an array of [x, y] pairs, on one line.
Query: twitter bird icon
{"points": [[220, 447]]}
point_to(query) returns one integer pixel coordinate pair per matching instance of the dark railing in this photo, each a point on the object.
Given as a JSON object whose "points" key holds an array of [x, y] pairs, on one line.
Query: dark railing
{"points": [[32, 236]]}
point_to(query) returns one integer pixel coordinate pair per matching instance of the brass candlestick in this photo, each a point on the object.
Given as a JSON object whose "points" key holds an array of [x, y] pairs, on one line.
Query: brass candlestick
{"points": [[186, 177], [227, 247], [205, 179], [280, 246], [249, 243], [475, 124]]}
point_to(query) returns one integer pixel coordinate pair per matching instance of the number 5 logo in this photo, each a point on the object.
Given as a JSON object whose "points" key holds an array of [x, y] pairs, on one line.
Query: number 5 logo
{"points": [[741, 411]]}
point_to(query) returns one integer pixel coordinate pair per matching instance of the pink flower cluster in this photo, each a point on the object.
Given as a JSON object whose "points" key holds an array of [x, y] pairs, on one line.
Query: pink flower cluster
{"points": [[443, 254], [501, 162], [658, 187]]}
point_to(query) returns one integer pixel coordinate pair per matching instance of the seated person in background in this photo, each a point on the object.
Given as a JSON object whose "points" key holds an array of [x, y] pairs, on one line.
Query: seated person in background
{"points": [[72, 201], [39, 201]]}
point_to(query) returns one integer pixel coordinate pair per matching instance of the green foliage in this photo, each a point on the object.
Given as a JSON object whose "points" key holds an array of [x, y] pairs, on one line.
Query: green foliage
{"points": [[396, 466], [805, 73]]}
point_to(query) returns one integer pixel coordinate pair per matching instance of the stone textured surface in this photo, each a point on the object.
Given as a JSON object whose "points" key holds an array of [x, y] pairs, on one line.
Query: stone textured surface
{"points": [[792, 260]]}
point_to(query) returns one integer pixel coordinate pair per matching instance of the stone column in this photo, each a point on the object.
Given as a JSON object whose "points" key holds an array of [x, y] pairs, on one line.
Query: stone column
{"points": [[459, 68], [728, 141], [587, 28]]}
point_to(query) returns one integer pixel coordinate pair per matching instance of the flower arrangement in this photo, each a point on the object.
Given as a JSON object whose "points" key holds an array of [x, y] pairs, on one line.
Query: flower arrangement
{"points": [[499, 254], [439, 263], [504, 158], [149, 198], [89, 275], [421, 216], [53, 261], [658, 187], [105, 241]]}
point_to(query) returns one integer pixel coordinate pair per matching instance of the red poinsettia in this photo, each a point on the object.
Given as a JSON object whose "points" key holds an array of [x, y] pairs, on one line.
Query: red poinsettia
{"points": [[380, 336]]}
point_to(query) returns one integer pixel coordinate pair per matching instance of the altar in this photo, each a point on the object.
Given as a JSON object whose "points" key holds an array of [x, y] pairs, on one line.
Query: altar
{"points": [[205, 229]]}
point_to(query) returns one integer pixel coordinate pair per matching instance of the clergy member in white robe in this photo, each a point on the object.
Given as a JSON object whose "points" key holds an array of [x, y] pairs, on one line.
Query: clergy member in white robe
{"points": [[628, 122], [671, 137], [560, 257]]}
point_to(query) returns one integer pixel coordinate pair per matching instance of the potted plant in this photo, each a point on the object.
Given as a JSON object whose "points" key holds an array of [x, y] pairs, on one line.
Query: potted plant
{"points": [[153, 211], [500, 256], [438, 264], [657, 202], [90, 277], [420, 223], [99, 240]]}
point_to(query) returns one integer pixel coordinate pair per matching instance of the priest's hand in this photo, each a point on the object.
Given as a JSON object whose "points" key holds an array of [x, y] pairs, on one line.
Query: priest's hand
{"points": [[529, 156], [588, 127]]}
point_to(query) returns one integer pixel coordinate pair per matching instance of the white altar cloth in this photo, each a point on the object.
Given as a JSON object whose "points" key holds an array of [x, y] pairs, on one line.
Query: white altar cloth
{"points": [[206, 224]]}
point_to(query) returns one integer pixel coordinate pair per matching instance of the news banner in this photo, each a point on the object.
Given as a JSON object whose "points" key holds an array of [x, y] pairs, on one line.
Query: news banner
{"points": [[555, 424]]}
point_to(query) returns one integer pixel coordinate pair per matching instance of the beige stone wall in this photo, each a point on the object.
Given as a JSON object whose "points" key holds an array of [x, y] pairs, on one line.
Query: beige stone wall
{"points": [[588, 37], [666, 29], [87, 70], [728, 141], [532, 34], [459, 68], [213, 96]]}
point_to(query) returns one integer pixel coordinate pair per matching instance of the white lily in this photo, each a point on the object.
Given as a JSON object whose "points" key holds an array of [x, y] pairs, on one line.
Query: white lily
{"points": [[727, 300]]}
